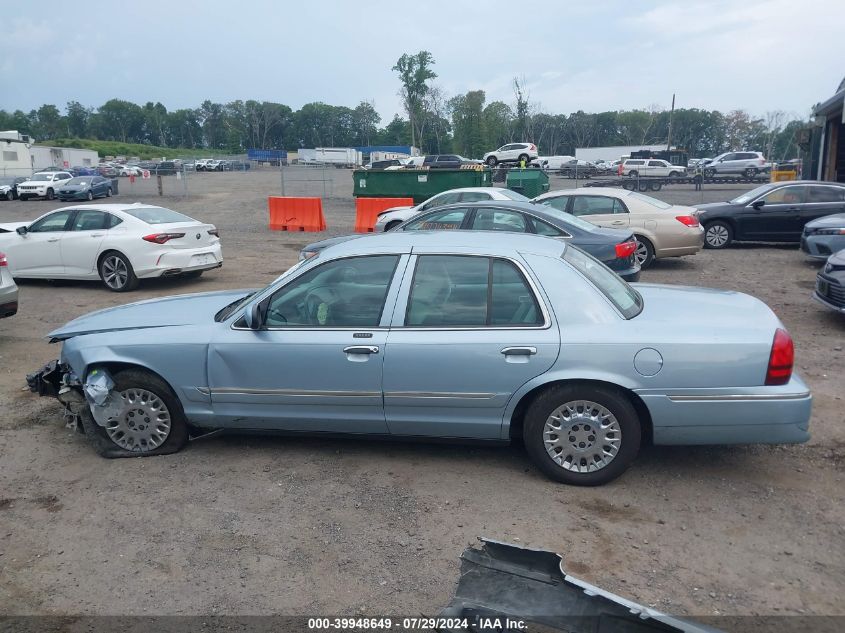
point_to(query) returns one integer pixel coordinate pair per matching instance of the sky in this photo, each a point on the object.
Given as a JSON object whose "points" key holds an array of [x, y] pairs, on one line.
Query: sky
{"points": [[756, 55]]}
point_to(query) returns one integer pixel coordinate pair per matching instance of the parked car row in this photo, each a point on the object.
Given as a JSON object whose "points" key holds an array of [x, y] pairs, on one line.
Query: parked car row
{"points": [[658, 229]]}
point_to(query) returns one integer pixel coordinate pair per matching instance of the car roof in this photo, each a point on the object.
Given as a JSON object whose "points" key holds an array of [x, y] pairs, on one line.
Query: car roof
{"points": [[483, 242], [613, 192], [113, 207]]}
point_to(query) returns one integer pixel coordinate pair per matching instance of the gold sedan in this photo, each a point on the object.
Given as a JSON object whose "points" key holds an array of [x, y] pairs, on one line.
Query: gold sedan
{"points": [[661, 229]]}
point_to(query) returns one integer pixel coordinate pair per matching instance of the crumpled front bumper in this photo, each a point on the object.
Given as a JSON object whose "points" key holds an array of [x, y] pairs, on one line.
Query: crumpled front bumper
{"points": [[47, 381]]}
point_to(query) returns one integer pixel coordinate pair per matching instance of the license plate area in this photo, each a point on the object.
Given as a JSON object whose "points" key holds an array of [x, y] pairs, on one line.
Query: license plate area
{"points": [[202, 259]]}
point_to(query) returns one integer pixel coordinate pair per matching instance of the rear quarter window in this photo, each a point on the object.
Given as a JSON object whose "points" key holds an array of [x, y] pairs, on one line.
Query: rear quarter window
{"points": [[157, 215], [627, 300]]}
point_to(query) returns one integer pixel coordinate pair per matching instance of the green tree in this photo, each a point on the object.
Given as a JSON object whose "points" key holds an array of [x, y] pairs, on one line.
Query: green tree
{"points": [[121, 121], [365, 122], [414, 73], [76, 118], [468, 123], [498, 124]]}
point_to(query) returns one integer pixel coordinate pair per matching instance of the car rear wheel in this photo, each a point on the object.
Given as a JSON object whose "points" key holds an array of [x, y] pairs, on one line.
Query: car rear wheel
{"points": [[50, 195], [523, 157], [492, 161], [750, 173], [10, 196], [108, 192], [117, 273], [633, 173], [644, 252], [585, 435], [717, 235], [147, 421], [673, 174], [709, 173]]}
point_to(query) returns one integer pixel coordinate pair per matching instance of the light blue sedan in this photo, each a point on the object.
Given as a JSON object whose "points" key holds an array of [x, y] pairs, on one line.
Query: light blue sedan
{"points": [[459, 335]]}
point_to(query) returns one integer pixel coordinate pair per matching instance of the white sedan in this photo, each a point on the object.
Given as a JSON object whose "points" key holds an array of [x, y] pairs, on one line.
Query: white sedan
{"points": [[394, 216], [117, 243]]}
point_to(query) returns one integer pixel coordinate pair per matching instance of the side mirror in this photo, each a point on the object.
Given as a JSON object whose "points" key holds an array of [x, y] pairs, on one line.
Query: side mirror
{"points": [[253, 316], [758, 204], [21, 230]]}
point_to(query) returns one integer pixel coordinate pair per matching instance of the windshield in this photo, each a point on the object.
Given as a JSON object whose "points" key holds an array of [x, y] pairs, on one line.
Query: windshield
{"points": [[652, 201], [627, 300], [157, 215], [40, 177], [748, 196], [513, 195], [570, 219], [79, 181]]}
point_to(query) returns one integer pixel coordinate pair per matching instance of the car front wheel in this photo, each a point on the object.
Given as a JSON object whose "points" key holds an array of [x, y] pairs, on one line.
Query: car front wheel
{"points": [[10, 196], [117, 273], [718, 235], [147, 418], [585, 435], [90, 195], [492, 160], [50, 195]]}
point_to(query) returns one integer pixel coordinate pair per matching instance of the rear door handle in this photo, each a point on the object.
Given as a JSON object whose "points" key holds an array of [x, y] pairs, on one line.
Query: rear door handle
{"points": [[361, 349], [96, 235], [53, 239], [519, 351], [618, 223]]}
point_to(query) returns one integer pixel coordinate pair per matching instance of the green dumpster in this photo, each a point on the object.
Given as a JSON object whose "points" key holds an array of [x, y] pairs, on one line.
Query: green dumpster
{"points": [[419, 184], [529, 182]]}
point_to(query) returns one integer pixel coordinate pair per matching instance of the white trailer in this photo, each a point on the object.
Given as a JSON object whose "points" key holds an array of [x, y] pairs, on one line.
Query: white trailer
{"points": [[15, 159], [62, 157], [375, 156], [338, 156], [592, 154]]}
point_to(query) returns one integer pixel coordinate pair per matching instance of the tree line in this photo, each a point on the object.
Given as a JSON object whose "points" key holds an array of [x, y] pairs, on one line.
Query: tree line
{"points": [[437, 123]]}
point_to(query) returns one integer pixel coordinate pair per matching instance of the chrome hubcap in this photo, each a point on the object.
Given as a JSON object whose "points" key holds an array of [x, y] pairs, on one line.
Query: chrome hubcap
{"points": [[582, 436], [142, 425], [115, 272], [641, 253], [717, 235]]}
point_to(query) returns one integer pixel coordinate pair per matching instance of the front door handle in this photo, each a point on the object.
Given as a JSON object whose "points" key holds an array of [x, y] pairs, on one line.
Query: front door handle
{"points": [[617, 223], [361, 349], [96, 235], [519, 351], [53, 239]]}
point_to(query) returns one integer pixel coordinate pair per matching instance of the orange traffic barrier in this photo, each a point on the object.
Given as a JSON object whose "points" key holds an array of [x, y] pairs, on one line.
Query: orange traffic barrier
{"points": [[367, 210], [296, 214]]}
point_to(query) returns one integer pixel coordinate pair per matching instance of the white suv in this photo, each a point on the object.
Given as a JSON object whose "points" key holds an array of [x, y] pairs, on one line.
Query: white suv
{"points": [[749, 164], [44, 184], [651, 167], [512, 153]]}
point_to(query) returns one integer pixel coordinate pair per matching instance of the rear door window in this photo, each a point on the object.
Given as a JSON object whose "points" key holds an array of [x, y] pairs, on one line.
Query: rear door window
{"points": [[88, 220], [826, 194], [796, 194], [592, 205], [499, 220]]}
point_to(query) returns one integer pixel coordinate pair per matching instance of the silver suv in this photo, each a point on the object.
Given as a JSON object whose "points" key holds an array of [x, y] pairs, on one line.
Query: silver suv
{"points": [[749, 164]]}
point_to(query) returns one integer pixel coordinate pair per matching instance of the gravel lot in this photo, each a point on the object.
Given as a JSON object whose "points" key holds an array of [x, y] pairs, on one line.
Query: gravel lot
{"points": [[260, 525]]}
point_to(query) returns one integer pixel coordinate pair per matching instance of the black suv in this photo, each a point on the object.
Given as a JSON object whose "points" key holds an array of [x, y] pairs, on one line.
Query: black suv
{"points": [[446, 161]]}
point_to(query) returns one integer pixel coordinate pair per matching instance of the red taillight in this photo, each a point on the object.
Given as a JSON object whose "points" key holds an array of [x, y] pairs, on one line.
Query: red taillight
{"points": [[161, 238], [625, 249], [214, 232], [533, 147], [780, 360], [688, 220], [3, 261]]}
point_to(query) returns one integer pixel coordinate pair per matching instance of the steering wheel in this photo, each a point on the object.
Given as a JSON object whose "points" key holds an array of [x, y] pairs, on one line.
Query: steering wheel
{"points": [[314, 300]]}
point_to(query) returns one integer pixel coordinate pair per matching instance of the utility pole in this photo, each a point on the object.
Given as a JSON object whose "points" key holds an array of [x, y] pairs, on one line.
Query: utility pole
{"points": [[671, 114]]}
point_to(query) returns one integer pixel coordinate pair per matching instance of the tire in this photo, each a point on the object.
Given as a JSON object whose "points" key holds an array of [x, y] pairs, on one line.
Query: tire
{"points": [[492, 161], [392, 224], [523, 157], [643, 185], [673, 174], [629, 186], [133, 383], [750, 173], [9, 195], [581, 404], [108, 192], [50, 194], [193, 274], [644, 252], [655, 186], [116, 268], [709, 173], [90, 195], [633, 173], [718, 234]]}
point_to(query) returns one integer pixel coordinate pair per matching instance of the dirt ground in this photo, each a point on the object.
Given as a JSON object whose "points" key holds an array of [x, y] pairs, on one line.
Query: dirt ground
{"points": [[265, 525]]}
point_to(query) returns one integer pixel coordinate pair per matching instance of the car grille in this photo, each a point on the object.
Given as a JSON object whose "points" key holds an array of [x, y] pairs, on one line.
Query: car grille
{"points": [[831, 290], [28, 188]]}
